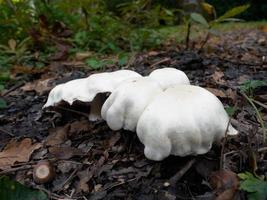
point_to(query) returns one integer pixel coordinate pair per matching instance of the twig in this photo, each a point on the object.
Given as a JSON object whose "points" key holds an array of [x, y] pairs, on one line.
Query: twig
{"points": [[204, 42], [121, 183], [11, 5], [6, 132], [237, 62], [188, 35], [21, 168], [181, 172], [262, 149], [223, 145], [12, 89], [74, 111], [159, 62], [258, 115], [259, 103], [67, 180]]}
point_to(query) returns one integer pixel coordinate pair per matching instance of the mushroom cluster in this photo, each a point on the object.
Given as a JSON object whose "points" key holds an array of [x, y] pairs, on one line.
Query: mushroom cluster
{"points": [[170, 116]]}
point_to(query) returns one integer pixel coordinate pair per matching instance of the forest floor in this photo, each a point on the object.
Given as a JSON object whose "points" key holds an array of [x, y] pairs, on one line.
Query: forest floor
{"points": [[93, 162]]}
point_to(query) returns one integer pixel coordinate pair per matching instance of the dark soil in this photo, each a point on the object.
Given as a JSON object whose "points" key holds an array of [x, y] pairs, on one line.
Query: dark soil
{"points": [[111, 165]]}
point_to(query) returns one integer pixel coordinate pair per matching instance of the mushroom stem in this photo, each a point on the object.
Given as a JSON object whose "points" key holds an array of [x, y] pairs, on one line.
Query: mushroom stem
{"points": [[96, 105], [43, 172]]}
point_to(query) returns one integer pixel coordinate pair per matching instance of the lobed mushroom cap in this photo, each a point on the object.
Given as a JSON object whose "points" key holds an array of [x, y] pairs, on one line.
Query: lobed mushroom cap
{"points": [[168, 77], [86, 89], [183, 120], [126, 103], [89, 90]]}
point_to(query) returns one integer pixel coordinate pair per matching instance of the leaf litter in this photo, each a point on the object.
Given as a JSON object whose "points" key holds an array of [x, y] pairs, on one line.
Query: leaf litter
{"points": [[94, 162]]}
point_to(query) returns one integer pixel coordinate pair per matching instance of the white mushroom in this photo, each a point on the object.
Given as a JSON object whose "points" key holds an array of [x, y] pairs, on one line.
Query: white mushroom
{"points": [[126, 103], [89, 90], [183, 120], [169, 76]]}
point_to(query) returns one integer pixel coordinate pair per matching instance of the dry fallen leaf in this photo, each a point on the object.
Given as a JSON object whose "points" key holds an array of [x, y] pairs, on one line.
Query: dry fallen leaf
{"points": [[79, 127], [18, 69], [40, 86], [86, 175], [12, 44], [225, 183], [83, 55], [57, 135], [218, 77], [217, 92], [65, 152], [17, 151], [231, 94]]}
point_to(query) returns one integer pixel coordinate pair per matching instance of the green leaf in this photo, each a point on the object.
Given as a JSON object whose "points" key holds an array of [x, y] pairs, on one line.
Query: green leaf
{"points": [[12, 190], [3, 104], [249, 86], [230, 110], [123, 59], [232, 13], [199, 19], [93, 63], [4, 76], [2, 87], [255, 187]]}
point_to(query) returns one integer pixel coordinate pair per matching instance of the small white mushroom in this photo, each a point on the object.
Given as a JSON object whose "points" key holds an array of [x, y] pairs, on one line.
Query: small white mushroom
{"points": [[168, 77], [89, 90], [183, 120], [126, 103]]}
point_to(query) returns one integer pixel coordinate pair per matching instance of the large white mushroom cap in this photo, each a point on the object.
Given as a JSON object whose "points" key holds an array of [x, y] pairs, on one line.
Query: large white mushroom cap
{"points": [[167, 77], [86, 89], [183, 120], [126, 103]]}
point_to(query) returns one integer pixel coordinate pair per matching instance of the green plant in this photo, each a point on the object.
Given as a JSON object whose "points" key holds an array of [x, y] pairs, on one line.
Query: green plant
{"points": [[3, 104], [255, 187], [247, 90], [145, 12], [14, 52], [249, 86], [227, 16], [13, 190], [97, 64], [230, 110]]}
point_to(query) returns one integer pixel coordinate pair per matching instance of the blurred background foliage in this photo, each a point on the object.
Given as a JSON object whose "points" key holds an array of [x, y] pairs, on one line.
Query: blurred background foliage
{"points": [[35, 31]]}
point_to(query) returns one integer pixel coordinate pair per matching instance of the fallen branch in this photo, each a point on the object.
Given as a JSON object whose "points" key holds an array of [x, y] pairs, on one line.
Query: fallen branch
{"points": [[181, 172], [11, 170], [159, 62]]}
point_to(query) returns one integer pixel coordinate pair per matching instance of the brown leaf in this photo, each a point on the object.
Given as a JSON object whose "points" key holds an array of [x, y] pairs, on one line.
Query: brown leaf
{"points": [[79, 127], [12, 44], [40, 86], [57, 135], [18, 69], [231, 94], [65, 152], [17, 151], [218, 77], [88, 173], [114, 139], [263, 28], [217, 92], [83, 55], [225, 183]]}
